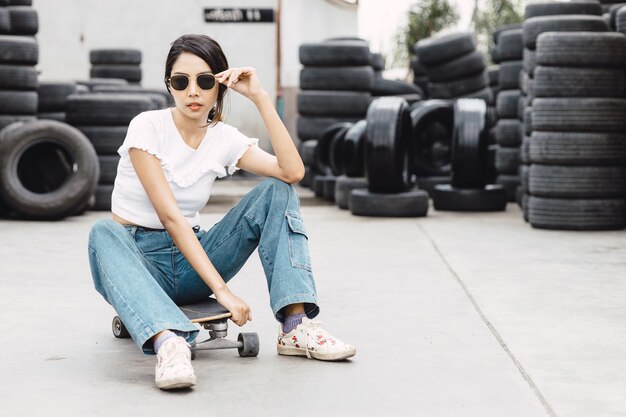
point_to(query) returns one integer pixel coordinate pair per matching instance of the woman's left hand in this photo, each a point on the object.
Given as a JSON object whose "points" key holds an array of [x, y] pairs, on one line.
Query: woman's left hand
{"points": [[243, 80]]}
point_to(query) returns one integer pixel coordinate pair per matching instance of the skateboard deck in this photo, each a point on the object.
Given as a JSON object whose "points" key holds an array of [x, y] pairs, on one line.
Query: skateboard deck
{"points": [[203, 311]]}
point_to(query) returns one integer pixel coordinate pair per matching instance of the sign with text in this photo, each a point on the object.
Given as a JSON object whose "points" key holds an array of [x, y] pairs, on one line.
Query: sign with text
{"points": [[239, 15]]}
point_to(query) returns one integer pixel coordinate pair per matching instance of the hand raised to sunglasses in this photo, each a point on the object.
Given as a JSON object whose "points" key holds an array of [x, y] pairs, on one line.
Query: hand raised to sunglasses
{"points": [[243, 80]]}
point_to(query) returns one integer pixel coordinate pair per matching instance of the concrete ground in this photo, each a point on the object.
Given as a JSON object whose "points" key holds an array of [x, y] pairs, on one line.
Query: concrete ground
{"points": [[454, 314]]}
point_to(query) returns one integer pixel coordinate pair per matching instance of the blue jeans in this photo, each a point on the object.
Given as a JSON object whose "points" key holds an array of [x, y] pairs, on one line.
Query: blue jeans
{"points": [[144, 276]]}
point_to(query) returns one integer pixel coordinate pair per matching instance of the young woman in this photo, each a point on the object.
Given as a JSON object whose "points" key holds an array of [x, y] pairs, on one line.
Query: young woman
{"points": [[153, 255]]}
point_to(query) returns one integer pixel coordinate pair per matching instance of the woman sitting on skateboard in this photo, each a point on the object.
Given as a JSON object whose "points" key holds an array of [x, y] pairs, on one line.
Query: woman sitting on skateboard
{"points": [[153, 255]]}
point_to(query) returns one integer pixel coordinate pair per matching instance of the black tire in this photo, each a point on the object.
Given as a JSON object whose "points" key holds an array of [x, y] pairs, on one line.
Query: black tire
{"points": [[507, 103], [58, 116], [419, 70], [105, 109], [412, 203], [308, 153], [24, 20], [584, 49], [337, 78], [7, 119], [508, 132], [431, 143], [353, 151], [115, 57], [490, 198], [108, 168], [103, 197], [5, 21], [529, 62], [337, 103], [484, 94], [386, 147], [573, 148], [524, 155], [383, 87], [106, 140], [310, 127], [510, 45], [438, 49], [510, 183], [579, 114], [493, 74], [344, 186], [18, 50], [102, 81], [579, 214], [18, 2], [577, 181], [131, 73], [333, 54], [507, 160], [53, 95], [470, 144], [509, 75], [578, 82], [377, 61], [458, 88], [533, 27], [495, 54], [325, 143], [558, 8], [18, 102], [48, 170], [496, 33], [320, 185], [460, 67], [18, 77], [328, 188]]}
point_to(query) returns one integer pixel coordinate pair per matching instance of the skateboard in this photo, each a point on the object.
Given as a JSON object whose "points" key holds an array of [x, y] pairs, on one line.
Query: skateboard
{"points": [[213, 317]]}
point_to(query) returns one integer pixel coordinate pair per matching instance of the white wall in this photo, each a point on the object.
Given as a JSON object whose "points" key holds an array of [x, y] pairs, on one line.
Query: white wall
{"points": [[69, 29]]}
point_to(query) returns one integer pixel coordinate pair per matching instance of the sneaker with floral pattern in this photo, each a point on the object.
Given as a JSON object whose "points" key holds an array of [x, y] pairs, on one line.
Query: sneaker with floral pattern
{"points": [[310, 340]]}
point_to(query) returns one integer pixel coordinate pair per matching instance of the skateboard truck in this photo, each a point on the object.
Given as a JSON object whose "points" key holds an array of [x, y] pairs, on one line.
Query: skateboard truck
{"points": [[214, 318]]}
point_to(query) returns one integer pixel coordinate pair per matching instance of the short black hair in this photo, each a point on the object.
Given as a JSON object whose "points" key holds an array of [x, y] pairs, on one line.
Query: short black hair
{"points": [[209, 51]]}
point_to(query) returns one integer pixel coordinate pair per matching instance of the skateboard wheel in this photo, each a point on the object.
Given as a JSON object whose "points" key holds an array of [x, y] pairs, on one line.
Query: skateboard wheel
{"points": [[249, 344], [119, 330]]}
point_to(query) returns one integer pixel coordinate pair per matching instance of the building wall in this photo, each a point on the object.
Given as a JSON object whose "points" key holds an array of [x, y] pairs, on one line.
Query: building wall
{"points": [[69, 29]]}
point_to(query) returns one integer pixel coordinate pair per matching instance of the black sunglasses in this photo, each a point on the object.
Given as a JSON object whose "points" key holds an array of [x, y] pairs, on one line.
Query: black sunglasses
{"points": [[180, 82]]}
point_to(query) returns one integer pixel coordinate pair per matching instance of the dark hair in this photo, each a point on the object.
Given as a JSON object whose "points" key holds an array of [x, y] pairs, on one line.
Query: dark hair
{"points": [[210, 52]]}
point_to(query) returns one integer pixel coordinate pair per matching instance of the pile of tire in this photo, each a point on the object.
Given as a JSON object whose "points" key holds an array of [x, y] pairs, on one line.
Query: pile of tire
{"points": [[53, 98], [48, 170], [390, 191], [508, 52], [103, 118], [454, 67], [19, 53], [116, 63], [470, 189], [420, 76], [384, 87], [335, 85], [552, 16], [577, 178]]}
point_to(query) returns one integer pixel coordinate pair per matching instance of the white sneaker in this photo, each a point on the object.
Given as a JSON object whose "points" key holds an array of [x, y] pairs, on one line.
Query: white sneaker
{"points": [[310, 340], [173, 368]]}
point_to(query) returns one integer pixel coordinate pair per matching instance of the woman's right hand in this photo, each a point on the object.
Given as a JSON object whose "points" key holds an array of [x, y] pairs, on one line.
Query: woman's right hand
{"points": [[238, 308]]}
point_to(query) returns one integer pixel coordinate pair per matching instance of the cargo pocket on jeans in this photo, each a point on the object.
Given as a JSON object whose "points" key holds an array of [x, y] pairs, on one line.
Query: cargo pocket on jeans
{"points": [[298, 242]]}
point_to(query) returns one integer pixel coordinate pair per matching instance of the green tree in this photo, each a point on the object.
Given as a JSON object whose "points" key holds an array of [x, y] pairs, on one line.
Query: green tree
{"points": [[424, 18], [496, 13]]}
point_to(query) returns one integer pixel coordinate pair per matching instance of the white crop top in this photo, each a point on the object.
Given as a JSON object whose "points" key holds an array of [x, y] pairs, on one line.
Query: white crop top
{"points": [[190, 172]]}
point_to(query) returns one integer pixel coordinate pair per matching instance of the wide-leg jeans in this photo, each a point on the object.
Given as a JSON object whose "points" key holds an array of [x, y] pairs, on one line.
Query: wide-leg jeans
{"points": [[144, 276]]}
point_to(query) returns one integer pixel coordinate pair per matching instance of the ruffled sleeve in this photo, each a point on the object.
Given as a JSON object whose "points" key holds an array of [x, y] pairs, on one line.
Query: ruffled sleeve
{"points": [[142, 135], [239, 144]]}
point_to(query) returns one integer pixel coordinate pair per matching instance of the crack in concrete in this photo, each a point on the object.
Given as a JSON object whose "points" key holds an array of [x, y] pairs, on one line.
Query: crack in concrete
{"points": [[491, 328]]}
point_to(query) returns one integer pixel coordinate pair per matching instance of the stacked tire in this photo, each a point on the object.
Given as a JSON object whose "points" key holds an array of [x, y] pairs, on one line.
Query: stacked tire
{"points": [[575, 15], [103, 118], [19, 53], [335, 85], [577, 178], [116, 63], [384, 87], [454, 67], [390, 192], [53, 99], [508, 136]]}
